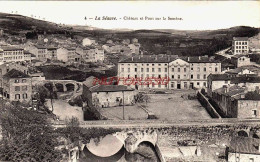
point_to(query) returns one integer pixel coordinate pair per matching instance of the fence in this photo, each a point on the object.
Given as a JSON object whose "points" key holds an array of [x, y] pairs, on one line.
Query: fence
{"points": [[205, 103]]}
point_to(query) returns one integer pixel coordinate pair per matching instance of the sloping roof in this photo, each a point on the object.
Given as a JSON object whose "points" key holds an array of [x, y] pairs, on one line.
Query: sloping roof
{"points": [[245, 79], [233, 90], [240, 38], [10, 48], [219, 77], [240, 69], [16, 74], [240, 55], [40, 46], [245, 145], [110, 88], [163, 58]]}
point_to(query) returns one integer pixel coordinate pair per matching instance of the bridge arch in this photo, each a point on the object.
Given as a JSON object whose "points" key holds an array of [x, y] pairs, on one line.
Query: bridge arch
{"points": [[59, 87], [242, 133], [255, 136], [49, 86], [70, 87]]}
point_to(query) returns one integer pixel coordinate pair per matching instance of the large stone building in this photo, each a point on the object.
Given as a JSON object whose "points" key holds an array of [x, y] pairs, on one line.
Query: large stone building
{"points": [[167, 72], [17, 86], [108, 95], [41, 52], [11, 54], [91, 53], [240, 45]]}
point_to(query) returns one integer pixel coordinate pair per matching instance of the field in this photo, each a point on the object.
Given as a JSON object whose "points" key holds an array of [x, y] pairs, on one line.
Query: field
{"points": [[164, 106]]}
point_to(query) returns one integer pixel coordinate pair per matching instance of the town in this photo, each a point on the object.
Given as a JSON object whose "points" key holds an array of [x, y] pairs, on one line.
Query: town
{"points": [[109, 79]]}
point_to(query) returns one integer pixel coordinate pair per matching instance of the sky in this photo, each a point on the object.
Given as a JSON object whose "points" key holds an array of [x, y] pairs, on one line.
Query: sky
{"points": [[195, 15]]}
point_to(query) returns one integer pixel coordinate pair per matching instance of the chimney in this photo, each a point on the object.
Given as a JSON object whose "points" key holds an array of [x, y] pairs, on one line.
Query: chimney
{"points": [[188, 58], [132, 58], [225, 88], [199, 57], [142, 53]]}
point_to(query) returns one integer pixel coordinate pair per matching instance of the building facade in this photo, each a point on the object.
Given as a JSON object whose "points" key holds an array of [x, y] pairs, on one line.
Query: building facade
{"points": [[11, 54], [17, 86], [157, 70], [68, 54], [240, 45], [41, 52], [240, 60]]}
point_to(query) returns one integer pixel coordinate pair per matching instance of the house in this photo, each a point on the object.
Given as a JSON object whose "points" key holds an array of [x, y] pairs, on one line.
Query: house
{"points": [[216, 81], [6, 67], [167, 71], [135, 48], [52, 53], [251, 82], [237, 102], [11, 54], [17, 86], [240, 45], [108, 95], [244, 149], [254, 44], [240, 60], [91, 53], [88, 41], [67, 54], [244, 70], [41, 52]]}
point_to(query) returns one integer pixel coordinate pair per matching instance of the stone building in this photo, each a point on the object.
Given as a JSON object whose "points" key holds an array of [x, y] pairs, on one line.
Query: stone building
{"points": [[237, 102], [68, 54], [17, 86], [216, 81], [244, 149], [6, 67], [11, 54], [156, 70], [41, 52], [108, 95], [52, 53], [240, 45], [240, 60], [91, 53]]}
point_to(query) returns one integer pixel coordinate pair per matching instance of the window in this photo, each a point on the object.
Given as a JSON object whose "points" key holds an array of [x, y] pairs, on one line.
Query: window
{"points": [[128, 70], [251, 159], [159, 76], [122, 69], [165, 69], [17, 88], [205, 69], [16, 80], [204, 76], [204, 84], [172, 76], [165, 64], [184, 69], [25, 96], [172, 85], [179, 77], [147, 64], [152, 69], [198, 76], [172, 69], [254, 113], [198, 83], [142, 69], [135, 69], [216, 69], [24, 88], [159, 69], [159, 64], [17, 96], [152, 64], [191, 76], [159, 85], [179, 69], [147, 69], [226, 81], [198, 69], [191, 69]]}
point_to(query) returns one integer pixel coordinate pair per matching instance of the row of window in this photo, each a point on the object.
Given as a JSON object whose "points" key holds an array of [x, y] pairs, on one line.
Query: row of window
{"points": [[173, 77], [172, 85], [22, 81], [239, 51], [192, 64], [241, 43], [241, 47], [18, 96], [165, 69], [18, 88]]}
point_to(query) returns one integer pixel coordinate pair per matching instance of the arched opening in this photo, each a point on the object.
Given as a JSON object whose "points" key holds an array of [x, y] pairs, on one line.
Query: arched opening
{"points": [[59, 87], [49, 86], [145, 152], [242, 133], [255, 136], [70, 87]]}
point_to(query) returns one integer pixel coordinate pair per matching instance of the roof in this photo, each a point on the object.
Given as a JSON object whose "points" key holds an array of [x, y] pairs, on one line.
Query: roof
{"points": [[110, 88], [252, 68], [233, 90], [10, 48], [245, 79], [40, 46], [245, 145], [240, 55], [16, 74], [163, 58], [240, 38], [219, 77]]}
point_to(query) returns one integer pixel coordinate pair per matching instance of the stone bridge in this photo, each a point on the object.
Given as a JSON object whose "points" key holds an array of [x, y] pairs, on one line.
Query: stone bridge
{"points": [[62, 85]]}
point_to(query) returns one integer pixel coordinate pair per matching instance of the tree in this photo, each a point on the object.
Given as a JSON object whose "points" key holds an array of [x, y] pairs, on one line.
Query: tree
{"points": [[27, 136]]}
